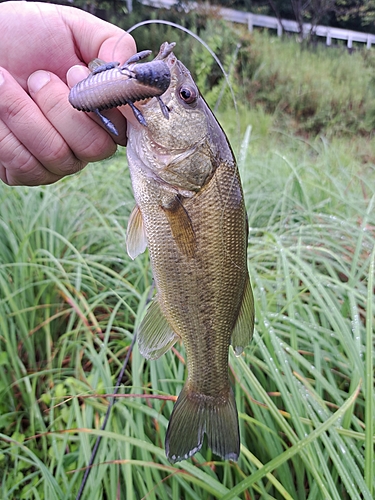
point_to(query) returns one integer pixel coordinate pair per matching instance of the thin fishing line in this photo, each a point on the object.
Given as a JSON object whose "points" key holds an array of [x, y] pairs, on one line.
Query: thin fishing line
{"points": [[106, 418], [231, 67]]}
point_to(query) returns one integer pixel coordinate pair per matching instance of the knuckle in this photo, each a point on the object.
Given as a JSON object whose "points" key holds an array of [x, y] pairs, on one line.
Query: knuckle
{"points": [[61, 159], [73, 166], [94, 147], [27, 170], [13, 154], [49, 147], [13, 109]]}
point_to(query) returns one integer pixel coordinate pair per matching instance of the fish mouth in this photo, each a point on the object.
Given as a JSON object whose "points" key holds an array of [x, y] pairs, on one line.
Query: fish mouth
{"points": [[144, 102]]}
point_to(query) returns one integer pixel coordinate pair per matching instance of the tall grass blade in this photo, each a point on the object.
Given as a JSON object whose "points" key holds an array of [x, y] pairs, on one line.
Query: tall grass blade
{"points": [[369, 380]]}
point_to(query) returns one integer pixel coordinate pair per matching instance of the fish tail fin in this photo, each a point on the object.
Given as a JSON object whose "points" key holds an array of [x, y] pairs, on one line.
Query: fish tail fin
{"points": [[196, 414]]}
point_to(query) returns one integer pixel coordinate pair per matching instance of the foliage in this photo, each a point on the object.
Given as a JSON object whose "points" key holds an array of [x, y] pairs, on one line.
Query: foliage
{"points": [[314, 87], [348, 14], [354, 14], [303, 11]]}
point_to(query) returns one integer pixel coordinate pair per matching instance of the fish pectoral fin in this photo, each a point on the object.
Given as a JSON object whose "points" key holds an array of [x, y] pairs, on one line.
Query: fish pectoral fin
{"points": [[181, 226], [155, 336], [136, 239], [244, 327], [196, 414]]}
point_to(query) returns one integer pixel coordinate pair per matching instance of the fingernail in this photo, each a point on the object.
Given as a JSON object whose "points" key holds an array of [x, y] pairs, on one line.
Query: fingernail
{"points": [[38, 80], [76, 73]]}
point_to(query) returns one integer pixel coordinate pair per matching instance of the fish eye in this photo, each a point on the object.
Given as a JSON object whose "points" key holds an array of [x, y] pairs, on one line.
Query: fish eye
{"points": [[188, 94]]}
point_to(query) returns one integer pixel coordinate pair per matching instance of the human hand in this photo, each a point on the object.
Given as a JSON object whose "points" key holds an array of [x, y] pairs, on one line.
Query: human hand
{"points": [[42, 137]]}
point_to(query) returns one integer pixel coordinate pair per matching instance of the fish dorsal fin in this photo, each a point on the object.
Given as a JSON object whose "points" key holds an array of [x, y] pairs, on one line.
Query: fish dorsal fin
{"points": [[136, 239], [181, 226], [244, 327], [155, 336]]}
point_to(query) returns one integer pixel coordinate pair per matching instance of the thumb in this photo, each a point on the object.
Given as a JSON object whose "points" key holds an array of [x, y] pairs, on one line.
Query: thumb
{"points": [[94, 37]]}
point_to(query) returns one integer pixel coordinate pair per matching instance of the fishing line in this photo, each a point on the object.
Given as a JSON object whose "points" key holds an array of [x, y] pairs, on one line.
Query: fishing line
{"points": [[206, 46], [106, 418]]}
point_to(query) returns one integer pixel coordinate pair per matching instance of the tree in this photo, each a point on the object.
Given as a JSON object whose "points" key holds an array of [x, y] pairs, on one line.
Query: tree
{"points": [[303, 11], [355, 14]]}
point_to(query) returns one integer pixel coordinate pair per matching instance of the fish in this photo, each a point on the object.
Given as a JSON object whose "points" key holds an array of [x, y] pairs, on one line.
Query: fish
{"points": [[190, 213]]}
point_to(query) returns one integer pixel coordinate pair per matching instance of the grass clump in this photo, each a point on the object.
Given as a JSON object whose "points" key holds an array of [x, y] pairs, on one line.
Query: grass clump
{"points": [[322, 90], [70, 298]]}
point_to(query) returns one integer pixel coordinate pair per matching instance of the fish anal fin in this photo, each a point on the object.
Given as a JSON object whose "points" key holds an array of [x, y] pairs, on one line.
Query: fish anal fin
{"points": [[155, 336], [136, 239], [181, 226], [244, 327], [196, 414]]}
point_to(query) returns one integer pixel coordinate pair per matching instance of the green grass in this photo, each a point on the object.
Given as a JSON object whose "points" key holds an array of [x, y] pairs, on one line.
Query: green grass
{"points": [[70, 299], [321, 90]]}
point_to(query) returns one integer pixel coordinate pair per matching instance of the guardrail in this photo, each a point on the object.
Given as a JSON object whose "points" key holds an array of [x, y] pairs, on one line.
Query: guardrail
{"points": [[269, 22]]}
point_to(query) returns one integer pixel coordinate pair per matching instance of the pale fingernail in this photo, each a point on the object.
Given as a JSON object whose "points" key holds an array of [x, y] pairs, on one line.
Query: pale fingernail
{"points": [[38, 80], [76, 74]]}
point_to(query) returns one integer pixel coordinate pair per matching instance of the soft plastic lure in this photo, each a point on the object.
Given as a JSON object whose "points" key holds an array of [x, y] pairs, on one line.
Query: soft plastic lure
{"points": [[110, 85]]}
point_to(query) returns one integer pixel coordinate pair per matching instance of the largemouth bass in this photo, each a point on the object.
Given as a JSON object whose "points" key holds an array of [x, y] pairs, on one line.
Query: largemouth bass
{"points": [[190, 213]]}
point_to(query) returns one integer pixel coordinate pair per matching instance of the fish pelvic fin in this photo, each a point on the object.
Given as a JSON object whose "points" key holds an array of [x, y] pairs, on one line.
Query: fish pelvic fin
{"points": [[196, 414], [244, 327]]}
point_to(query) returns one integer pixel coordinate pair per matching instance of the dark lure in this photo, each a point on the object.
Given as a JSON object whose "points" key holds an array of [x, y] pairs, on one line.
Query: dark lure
{"points": [[110, 85]]}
